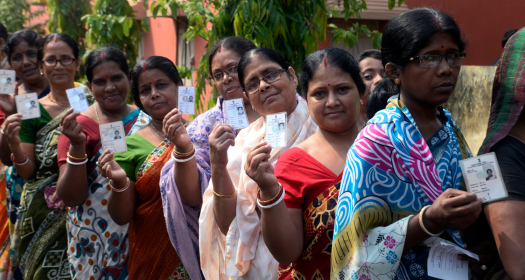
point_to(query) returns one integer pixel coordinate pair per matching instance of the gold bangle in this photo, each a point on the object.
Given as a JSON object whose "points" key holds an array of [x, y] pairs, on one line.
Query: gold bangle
{"points": [[224, 196], [184, 154], [273, 198], [70, 156]]}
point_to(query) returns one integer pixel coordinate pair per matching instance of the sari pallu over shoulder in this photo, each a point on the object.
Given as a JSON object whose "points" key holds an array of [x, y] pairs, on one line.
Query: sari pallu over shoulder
{"points": [[242, 253], [389, 176]]}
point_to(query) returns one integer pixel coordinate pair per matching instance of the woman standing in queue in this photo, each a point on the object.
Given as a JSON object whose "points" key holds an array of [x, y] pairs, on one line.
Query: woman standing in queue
{"points": [[298, 229], [402, 183], [135, 174], [96, 242], [40, 240], [230, 240]]}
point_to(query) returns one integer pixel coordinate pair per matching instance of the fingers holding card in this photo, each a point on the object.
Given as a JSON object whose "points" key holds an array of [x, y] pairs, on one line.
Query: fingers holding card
{"points": [[77, 99], [28, 106]]}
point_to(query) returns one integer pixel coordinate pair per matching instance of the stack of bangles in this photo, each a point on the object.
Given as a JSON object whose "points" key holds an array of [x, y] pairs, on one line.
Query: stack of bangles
{"points": [[423, 226], [19, 163], [76, 161], [183, 157], [267, 204], [119, 190]]}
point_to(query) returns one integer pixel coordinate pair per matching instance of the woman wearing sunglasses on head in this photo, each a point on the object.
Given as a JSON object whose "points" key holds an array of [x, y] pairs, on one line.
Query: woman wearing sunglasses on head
{"points": [[402, 183], [230, 240]]}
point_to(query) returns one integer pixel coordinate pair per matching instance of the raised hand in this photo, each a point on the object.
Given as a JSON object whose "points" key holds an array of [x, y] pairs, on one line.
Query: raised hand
{"points": [[259, 168], [11, 128], [175, 131], [7, 101], [71, 128], [110, 169], [220, 139]]}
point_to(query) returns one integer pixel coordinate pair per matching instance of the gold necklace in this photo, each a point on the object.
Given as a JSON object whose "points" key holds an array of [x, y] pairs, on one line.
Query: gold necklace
{"points": [[151, 124], [56, 102]]}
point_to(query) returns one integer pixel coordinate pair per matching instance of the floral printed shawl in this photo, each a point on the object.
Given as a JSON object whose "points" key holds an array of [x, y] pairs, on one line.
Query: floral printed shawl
{"points": [[389, 176]]}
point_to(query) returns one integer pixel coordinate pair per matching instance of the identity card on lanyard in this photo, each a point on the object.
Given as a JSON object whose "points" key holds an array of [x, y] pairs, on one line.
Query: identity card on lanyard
{"points": [[187, 100], [7, 81], [27, 105], [236, 113], [275, 130], [483, 177], [77, 99], [113, 137]]}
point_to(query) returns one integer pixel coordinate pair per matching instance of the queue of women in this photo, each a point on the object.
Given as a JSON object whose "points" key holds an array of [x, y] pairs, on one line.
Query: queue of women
{"points": [[368, 179]]}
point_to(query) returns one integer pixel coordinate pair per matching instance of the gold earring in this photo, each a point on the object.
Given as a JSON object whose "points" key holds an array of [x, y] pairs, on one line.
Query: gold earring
{"points": [[397, 80], [361, 101]]}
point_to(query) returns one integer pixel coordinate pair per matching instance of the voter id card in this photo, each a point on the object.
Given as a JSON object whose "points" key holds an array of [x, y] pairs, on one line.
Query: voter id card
{"points": [[113, 137], [483, 177], [276, 130], [236, 113], [77, 99], [27, 105], [187, 100], [7, 81]]}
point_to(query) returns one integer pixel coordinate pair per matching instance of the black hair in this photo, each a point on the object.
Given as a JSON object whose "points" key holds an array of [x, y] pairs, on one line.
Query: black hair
{"points": [[379, 96], [265, 53], [102, 55], [336, 57], [153, 62], [3, 32], [507, 36], [30, 37], [58, 36], [239, 45], [373, 53]]}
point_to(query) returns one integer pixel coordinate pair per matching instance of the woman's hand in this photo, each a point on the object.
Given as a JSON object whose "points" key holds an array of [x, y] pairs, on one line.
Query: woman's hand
{"points": [[110, 169], [11, 128], [453, 209], [220, 139], [71, 128], [175, 131], [7, 101], [259, 168]]}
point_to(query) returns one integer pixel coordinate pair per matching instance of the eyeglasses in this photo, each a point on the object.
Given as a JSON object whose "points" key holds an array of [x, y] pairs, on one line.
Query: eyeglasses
{"points": [[52, 62], [219, 77], [433, 60], [270, 78]]}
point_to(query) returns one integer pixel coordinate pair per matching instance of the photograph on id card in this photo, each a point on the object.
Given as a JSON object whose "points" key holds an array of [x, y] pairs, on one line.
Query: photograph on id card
{"points": [[187, 100], [28, 106], [236, 113], [276, 130], [113, 137], [7, 81], [483, 177], [77, 99]]}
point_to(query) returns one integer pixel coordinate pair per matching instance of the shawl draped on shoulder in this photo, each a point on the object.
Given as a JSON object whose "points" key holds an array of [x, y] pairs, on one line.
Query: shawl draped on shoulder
{"points": [[242, 253], [390, 174]]}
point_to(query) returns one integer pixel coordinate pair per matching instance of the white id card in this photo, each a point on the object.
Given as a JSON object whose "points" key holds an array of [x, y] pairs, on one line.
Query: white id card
{"points": [[187, 100], [77, 100], [276, 130], [7, 81], [113, 137], [483, 177], [27, 105], [236, 113]]}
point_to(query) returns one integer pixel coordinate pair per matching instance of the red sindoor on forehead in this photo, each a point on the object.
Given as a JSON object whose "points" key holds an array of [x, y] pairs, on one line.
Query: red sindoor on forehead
{"points": [[144, 66], [220, 47], [56, 38], [103, 57], [21, 38]]}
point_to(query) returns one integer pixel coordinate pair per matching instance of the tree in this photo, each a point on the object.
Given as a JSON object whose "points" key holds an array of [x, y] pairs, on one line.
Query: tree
{"points": [[293, 28], [14, 14]]}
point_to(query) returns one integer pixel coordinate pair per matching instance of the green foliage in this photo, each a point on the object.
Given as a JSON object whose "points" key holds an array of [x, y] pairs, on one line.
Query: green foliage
{"points": [[14, 15], [65, 17]]}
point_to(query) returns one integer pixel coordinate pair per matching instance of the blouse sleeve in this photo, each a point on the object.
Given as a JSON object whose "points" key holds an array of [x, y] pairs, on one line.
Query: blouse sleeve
{"points": [[287, 175], [62, 149], [27, 132], [126, 160]]}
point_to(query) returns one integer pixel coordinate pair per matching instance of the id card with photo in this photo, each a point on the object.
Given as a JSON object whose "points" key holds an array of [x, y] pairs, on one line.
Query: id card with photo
{"points": [[236, 113], [77, 99], [27, 105], [187, 100], [7, 81], [276, 130], [483, 177], [113, 137]]}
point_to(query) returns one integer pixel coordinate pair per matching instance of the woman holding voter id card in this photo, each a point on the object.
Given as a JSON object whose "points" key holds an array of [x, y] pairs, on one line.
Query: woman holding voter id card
{"points": [[402, 185], [134, 177], [80, 185], [230, 240], [40, 238]]}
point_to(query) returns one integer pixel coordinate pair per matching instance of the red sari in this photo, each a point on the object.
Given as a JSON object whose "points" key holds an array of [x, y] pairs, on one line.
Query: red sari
{"points": [[314, 188]]}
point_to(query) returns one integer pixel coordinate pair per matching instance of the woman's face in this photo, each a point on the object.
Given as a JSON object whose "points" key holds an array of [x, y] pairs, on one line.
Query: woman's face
{"points": [[158, 93], [24, 62], [229, 86], [333, 99], [372, 71], [275, 97], [431, 86], [58, 75], [109, 86]]}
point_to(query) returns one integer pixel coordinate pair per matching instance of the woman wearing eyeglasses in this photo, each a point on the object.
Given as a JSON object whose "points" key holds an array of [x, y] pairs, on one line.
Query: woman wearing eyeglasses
{"points": [[40, 240], [230, 240], [402, 183]]}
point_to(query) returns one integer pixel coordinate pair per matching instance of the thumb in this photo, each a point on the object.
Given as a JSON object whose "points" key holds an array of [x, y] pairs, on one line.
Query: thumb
{"points": [[54, 197], [109, 174]]}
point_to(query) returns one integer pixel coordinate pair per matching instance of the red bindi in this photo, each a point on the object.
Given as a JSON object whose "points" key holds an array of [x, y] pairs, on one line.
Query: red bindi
{"points": [[106, 76], [442, 47], [328, 84]]}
